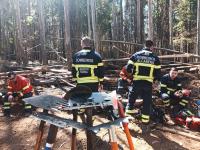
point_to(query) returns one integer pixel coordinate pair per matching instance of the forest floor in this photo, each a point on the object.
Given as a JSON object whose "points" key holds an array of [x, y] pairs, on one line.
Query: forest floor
{"points": [[20, 132]]}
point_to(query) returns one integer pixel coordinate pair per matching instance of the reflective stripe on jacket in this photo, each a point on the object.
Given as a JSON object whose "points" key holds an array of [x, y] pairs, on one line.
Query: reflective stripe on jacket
{"points": [[21, 85], [87, 67], [145, 65], [170, 86]]}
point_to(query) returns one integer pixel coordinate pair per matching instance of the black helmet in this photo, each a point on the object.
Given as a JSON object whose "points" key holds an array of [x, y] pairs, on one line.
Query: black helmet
{"points": [[11, 73]]}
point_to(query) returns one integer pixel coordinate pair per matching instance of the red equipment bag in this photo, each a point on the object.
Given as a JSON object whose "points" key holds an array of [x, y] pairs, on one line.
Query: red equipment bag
{"points": [[180, 121], [181, 117], [186, 92], [193, 123]]}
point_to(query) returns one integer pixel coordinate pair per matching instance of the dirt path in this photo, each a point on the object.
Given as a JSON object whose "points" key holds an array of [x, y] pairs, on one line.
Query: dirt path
{"points": [[20, 134]]}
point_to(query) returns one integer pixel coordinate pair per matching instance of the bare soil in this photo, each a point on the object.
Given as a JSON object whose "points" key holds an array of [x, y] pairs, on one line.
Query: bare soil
{"points": [[19, 133]]}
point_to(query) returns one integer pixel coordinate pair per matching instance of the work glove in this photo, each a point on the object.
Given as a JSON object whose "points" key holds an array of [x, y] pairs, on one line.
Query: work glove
{"points": [[129, 81], [9, 93], [178, 94], [15, 94], [10, 98], [20, 94], [100, 88], [156, 85]]}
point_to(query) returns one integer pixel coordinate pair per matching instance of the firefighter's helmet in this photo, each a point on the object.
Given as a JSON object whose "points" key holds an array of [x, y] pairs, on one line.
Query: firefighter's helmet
{"points": [[11, 73]]}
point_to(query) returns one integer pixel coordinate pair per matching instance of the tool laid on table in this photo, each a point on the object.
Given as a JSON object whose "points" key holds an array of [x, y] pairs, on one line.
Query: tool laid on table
{"points": [[76, 101]]}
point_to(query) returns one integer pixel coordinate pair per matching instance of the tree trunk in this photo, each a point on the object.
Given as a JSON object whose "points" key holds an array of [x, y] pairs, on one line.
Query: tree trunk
{"points": [[61, 31], [170, 25], [113, 24], [142, 3], [88, 18], [126, 20], [19, 48], [198, 28], [95, 36], [1, 25], [43, 52], [135, 21], [150, 20], [165, 24], [140, 21], [132, 20], [67, 34], [78, 18]]}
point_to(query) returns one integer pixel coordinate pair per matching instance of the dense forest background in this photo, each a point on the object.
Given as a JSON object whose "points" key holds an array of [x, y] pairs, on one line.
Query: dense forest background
{"points": [[39, 29]]}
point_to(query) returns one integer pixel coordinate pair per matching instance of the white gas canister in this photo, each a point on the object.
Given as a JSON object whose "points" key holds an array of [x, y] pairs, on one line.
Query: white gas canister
{"points": [[198, 106], [199, 111]]}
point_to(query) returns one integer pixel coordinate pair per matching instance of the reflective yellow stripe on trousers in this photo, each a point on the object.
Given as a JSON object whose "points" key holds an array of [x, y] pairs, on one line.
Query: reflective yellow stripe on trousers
{"points": [[145, 118]]}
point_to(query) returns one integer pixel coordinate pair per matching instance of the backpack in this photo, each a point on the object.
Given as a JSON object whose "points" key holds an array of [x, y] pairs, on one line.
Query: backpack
{"points": [[193, 123]]}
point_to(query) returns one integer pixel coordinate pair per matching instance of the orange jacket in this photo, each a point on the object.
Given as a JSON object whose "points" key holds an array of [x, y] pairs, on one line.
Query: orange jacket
{"points": [[125, 75], [21, 85]]}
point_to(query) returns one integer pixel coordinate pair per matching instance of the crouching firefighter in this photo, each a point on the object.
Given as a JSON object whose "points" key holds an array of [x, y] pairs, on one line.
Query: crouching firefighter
{"points": [[124, 81], [145, 66], [18, 87], [172, 94]]}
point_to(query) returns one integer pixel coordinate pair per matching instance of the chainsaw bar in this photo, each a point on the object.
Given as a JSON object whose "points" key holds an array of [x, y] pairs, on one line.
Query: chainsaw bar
{"points": [[65, 123], [54, 103], [58, 121], [108, 125]]}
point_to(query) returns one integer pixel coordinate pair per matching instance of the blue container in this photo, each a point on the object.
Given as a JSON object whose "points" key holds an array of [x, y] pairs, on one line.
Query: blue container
{"points": [[198, 107]]}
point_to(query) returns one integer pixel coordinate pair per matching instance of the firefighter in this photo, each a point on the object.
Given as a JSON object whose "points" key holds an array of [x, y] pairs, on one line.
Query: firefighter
{"points": [[88, 70], [18, 87], [124, 81], [87, 67], [172, 93], [145, 66]]}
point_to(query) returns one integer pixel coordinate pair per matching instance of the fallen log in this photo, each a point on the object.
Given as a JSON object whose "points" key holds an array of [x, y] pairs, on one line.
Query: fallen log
{"points": [[122, 51], [175, 131], [119, 59], [37, 69], [70, 84], [186, 55]]}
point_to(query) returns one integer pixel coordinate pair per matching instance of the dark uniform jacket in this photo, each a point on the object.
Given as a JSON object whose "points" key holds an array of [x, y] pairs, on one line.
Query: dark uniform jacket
{"points": [[170, 86], [87, 67], [145, 66]]}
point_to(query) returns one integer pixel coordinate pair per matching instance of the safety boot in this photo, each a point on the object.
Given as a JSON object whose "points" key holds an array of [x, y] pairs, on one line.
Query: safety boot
{"points": [[129, 111], [146, 128], [27, 112], [6, 113]]}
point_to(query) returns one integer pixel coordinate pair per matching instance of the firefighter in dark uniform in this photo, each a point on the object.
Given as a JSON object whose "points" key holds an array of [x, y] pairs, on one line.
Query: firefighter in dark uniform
{"points": [[87, 67], [172, 93], [145, 66], [87, 70], [19, 87]]}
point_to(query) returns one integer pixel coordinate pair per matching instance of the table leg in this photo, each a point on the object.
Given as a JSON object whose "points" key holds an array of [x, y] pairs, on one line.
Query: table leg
{"points": [[39, 135], [73, 144], [113, 138], [51, 137], [125, 126], [89, 133]]}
